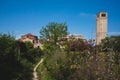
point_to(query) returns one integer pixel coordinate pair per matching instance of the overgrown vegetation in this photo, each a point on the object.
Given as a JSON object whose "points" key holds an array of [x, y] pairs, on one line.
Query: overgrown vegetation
{"points": [[63, 59], [79, 60], [17, 58], [90, 63]]}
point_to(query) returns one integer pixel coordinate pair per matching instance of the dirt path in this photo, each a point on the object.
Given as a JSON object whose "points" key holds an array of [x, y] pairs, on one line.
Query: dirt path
{"points": [[35, 77]]}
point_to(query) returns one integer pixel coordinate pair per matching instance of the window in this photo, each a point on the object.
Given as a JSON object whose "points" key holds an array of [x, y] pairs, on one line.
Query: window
{"points": [[33, 41], [103, 15], [38, 46]]}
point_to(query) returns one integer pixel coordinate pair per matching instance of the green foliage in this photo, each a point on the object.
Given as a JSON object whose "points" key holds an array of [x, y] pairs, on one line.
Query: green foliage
{"points": [[54, 31], [54, 66], [33, 55], [48, 77], [111, 43], [48, 47], [101, 63], [29, 44], [8, 57], [112, 56], [17, 58]]}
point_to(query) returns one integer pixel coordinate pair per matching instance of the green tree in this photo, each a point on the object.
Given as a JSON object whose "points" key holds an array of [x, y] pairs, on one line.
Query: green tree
{"points": [[53, 32], [8, 58], [112, 43], [17, 58], [29, 45], [111, 47]]}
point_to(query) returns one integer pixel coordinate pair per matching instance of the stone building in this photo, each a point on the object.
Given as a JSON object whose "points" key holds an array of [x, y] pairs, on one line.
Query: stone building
{"points": [[74, 36], [101, 26], [32, 38]]}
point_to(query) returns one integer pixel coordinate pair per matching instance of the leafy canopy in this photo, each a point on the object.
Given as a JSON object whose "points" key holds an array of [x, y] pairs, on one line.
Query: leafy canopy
{"points": [[112, 42], [54, 32]]}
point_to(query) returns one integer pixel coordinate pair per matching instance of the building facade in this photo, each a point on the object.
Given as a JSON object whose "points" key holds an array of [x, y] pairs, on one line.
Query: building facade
{"points": [[74, 36], [101, 26], [32, 38]]}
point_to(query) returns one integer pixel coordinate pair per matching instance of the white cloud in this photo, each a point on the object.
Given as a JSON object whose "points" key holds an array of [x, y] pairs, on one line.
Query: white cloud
{"points": [[113, 33], [87, 14]]}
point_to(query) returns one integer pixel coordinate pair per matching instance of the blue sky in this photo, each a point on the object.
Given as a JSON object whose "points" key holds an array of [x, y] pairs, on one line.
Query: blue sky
{"points": [[29, 16]]}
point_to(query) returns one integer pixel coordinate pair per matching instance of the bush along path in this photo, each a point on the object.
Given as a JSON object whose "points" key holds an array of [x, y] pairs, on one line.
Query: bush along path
{"points": [[35, 77]]}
